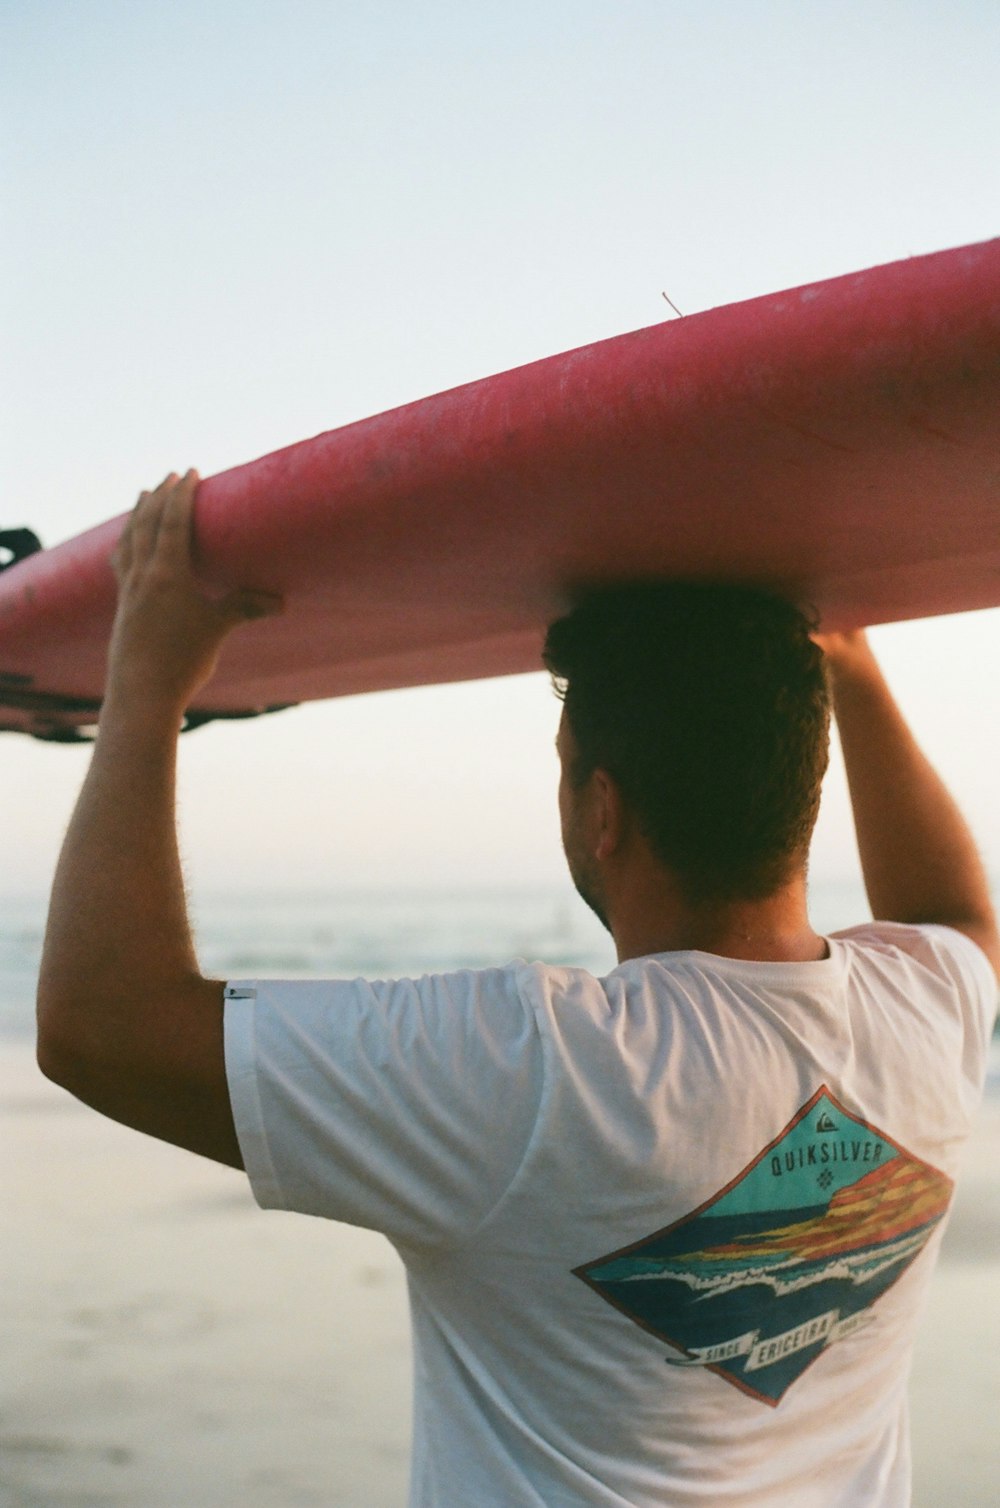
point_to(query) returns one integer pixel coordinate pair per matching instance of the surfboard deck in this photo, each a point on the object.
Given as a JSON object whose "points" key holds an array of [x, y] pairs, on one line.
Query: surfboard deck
{"points": [[837, 443]]}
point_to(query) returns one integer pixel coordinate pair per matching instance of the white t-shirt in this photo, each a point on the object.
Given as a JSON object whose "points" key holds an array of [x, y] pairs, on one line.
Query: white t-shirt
{"points": [[667, 1233]]}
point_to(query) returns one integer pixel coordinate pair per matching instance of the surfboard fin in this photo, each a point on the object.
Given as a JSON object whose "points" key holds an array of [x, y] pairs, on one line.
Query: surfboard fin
{"points": [[17, 544]]}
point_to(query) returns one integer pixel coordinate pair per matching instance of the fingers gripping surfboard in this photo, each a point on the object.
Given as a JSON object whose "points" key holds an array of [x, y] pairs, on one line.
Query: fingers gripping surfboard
{"points": [[836, 443]]}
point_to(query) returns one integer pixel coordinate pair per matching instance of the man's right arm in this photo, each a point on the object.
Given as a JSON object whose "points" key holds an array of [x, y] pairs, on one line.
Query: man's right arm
{"points": [[918, 857]]}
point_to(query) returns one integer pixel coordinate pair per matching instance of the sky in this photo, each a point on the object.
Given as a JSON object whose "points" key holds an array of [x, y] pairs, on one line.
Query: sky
{"points": [[228, 226]]}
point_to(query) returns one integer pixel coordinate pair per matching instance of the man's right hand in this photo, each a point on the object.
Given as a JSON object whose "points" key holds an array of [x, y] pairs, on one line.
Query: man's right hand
{"points": [[168, 629]]}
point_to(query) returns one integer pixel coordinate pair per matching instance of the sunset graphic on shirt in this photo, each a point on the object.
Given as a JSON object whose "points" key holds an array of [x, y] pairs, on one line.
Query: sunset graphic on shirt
{"points": [[788, 1258], [884, 1205]]}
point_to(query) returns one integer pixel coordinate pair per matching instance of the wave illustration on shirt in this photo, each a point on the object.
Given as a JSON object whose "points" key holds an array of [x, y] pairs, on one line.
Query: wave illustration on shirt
{"points": [[787, 1259]]}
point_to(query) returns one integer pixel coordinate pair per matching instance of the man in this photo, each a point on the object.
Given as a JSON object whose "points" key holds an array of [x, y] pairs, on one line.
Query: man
{"points": [[667, 1234]]}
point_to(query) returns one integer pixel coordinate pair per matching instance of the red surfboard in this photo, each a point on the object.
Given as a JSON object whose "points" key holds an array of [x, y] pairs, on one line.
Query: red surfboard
{"points": [[838, 443]]}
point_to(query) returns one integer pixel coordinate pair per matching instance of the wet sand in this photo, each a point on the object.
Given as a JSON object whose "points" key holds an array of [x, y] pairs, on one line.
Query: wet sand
{"points": [[955, 1382], [165, 1344]]}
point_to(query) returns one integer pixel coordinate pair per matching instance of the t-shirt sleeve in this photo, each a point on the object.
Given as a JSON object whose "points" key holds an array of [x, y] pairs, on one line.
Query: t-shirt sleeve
{"points": [[977, 989], [401, 1105], [965, 984]]}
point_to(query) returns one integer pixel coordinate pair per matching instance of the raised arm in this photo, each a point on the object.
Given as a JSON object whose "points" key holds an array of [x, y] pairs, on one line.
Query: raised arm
{"points": [[918, 857], [125, 1020]]}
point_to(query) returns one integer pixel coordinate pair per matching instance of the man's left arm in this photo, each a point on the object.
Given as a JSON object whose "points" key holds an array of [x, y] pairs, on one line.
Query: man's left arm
{"points": [[126, 1022]]}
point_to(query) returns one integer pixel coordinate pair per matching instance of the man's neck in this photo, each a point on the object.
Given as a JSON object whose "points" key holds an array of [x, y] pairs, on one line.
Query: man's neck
{"points": [[776, 929]]}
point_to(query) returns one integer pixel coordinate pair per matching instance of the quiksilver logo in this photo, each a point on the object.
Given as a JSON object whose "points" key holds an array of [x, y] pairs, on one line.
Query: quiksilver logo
{"points": [[825, 1123], [816, 1154]]}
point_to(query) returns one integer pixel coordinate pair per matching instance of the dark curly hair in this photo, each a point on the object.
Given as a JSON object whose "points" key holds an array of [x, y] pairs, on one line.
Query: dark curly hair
{"points": [[708, 705]]}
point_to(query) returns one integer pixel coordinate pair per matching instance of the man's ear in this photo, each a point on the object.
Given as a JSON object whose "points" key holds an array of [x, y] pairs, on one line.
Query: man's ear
{"points": [[609, 812]]}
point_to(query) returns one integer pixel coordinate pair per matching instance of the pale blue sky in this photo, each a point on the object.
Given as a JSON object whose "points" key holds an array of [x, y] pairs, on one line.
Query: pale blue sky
{"points": [[230, 225]]}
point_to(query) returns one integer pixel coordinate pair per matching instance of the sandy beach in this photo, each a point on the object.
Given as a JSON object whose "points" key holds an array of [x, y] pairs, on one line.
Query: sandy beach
{"points": [[166, 1344]]}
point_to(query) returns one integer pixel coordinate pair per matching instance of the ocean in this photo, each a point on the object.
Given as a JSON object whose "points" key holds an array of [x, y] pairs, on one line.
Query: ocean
{"points": [[377, 934], [383, 934]]}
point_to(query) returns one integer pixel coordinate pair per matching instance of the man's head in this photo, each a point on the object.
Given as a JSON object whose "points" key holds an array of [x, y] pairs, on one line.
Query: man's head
{"points": [[705, 709]]}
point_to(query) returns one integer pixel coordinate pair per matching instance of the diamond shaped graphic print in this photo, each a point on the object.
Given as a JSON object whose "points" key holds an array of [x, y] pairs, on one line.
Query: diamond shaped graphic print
{"points": [[788, 1258]]}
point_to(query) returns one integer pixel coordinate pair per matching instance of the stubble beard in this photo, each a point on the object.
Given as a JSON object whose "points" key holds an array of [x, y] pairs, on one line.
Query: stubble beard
{"points": [[587, 885]]}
